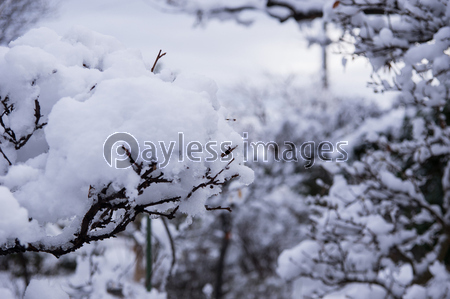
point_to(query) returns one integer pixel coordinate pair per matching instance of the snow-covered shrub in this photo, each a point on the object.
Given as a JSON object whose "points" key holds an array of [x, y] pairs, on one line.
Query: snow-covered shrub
{"points": [[383, 229], [271, 214], [61, 97]]}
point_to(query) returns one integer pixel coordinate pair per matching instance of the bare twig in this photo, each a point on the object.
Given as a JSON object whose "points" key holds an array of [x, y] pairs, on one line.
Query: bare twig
{"points": [[156, 60], [217, 208], [9, 133], [4, 156]]}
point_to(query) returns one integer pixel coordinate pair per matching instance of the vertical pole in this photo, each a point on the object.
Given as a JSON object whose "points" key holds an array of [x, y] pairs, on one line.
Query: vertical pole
{"points": [[324, 46], [148, 278]]}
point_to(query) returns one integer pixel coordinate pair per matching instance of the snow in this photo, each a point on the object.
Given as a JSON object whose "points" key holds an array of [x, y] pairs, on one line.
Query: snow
{"points": [[292, 261], [43, 288], [396, 184], [358, 291], [13, 219], [6, 294], [416, 292]]}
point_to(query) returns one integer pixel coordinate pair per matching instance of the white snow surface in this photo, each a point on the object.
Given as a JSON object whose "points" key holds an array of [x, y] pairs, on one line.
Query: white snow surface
{"points": [[44, 289]]}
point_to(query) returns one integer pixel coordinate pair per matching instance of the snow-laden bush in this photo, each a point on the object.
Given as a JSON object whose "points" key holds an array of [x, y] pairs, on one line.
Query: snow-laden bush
{"points": [[383, 231], [270, 215], [61, 98]]}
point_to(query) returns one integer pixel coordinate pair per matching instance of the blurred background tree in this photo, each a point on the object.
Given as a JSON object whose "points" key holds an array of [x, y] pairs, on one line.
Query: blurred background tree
{"points": [[17, 16]]}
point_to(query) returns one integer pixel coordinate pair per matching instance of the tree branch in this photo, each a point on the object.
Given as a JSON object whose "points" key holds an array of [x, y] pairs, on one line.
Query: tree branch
{"points": [[111, 207]]}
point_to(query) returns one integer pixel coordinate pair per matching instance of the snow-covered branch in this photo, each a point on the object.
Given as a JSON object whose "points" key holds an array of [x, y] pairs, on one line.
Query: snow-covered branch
{"points": [[63, 98]]}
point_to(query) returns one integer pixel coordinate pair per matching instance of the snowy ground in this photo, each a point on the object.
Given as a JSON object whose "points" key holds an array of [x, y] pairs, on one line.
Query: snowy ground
{"points": [[224, 51]]}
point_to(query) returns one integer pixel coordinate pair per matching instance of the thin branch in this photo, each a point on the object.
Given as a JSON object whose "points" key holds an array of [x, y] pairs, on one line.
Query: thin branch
{"points": [[299, 15], [4, 156], [9, 133], [156, 60], [217, 208], [169, 216]]}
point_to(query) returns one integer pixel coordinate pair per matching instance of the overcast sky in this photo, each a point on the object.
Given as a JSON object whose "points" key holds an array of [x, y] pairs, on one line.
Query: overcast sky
{"points": [[224, 51]]}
